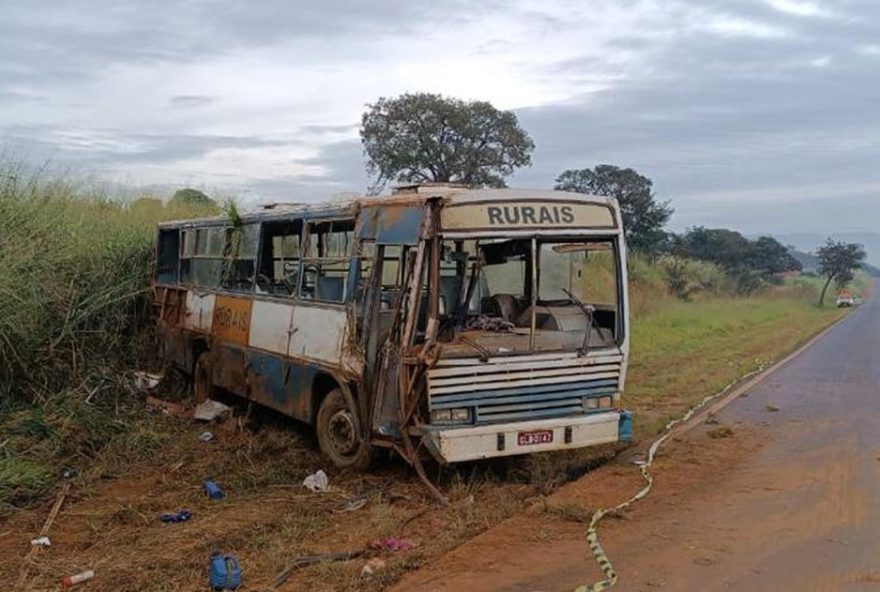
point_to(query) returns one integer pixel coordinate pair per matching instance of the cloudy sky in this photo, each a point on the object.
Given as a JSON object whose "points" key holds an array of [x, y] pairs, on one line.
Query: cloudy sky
{"points": [[760, 115]]}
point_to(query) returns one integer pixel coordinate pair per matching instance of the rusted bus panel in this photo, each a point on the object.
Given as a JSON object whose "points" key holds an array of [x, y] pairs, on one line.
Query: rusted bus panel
{"points": [[199, 311], [281, 384], [230, 367], [390, 224], [173, 346], [168, 304]]}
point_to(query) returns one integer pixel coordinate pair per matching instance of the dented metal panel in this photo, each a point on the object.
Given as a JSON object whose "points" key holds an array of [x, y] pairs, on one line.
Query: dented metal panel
{"points": [[473, 443], [391, 224], [318, 333], [281, 384], [199, 312], [271, 326]]}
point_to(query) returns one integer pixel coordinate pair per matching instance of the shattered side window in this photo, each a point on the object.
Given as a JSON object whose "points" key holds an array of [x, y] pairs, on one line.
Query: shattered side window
{"points": [[280, 260], [327, 260], [240, 257], [168, 256]]}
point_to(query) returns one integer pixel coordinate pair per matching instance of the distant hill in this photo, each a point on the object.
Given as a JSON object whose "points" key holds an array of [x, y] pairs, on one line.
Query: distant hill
{"points": [[807, 260], [808, 242]]}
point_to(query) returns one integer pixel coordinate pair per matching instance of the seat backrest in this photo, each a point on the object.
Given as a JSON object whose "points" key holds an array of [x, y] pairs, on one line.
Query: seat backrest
{"points": [[330, 288]]}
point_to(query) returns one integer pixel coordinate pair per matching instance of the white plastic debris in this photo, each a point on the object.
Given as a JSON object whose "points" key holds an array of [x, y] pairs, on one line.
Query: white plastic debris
{"points": [[41, 542], [206, 436], [144, 381], [317, 482], [211, 409], [372, 566]]}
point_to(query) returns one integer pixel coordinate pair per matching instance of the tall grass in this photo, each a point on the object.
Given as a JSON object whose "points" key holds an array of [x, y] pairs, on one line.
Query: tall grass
{"points": [[74, 266]]}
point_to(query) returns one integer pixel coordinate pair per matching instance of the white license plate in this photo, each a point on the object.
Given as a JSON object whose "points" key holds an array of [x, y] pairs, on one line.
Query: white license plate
{"points": [[536, 437]]}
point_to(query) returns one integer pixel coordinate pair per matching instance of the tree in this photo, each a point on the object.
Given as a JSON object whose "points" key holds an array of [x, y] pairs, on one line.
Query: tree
{"points": [[643, 216], [422, 137], [146, 206], [189, 196], [770, 257], [838, 261]]}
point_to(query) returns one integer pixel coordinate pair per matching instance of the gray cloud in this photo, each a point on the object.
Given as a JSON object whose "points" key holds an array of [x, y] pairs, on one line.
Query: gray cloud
{"points": [[745, 113], [184, 101]]}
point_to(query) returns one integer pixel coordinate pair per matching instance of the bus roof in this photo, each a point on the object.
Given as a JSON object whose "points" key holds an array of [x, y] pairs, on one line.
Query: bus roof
{"points": [[412, 195]]}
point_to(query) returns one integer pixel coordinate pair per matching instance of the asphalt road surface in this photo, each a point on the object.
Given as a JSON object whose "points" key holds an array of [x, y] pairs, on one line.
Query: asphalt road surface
{"points": [[790, 501]]}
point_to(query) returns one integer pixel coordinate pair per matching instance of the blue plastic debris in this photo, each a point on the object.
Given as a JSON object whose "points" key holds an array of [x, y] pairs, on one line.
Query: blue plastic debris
{"points": [[181, 516], [224, 572], [625, 426], [212, 490]]}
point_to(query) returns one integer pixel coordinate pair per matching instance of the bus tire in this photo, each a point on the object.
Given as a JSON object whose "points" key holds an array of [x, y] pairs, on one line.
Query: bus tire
{"points": [[338, 436], [203, 378]]}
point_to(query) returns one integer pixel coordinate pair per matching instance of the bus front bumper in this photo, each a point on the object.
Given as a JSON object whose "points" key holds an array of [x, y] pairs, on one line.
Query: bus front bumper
{"points": [[457, 444]]}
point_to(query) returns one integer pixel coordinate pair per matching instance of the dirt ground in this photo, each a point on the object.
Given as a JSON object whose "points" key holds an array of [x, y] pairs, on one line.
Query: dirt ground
{"points": [[112, 525]]}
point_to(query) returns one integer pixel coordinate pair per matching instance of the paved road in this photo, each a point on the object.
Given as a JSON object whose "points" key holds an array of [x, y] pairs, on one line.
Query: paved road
{"points": [[804, 512], [790, 502]]}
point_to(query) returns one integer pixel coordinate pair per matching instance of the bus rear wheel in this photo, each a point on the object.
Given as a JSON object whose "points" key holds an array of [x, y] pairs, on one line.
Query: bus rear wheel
{"points": [[338, 436]]}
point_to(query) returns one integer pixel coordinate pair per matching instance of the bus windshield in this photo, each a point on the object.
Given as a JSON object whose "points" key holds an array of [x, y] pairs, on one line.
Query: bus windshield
{"points": [[486, 285]]}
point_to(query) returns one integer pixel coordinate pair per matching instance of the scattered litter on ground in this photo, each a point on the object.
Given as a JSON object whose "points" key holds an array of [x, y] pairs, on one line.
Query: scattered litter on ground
{"points": [[212, 490], [43, 541], [69, 581], [354, 504], [771, 408], [167, 407], [145, 381], [210, 410], [225, 572], [56, 507], [305, 561], [372, 566], [393, 544], [206, 436], [317, 482], [181, 516], [69, 473], [720, 432]]}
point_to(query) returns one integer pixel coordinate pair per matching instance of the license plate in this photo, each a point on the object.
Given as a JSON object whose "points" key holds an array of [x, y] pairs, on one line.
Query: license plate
{"points": [[536, 437]]}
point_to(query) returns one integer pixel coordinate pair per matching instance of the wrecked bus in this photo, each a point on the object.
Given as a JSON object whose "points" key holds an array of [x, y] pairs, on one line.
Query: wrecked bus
{"points": [[466, 323]]}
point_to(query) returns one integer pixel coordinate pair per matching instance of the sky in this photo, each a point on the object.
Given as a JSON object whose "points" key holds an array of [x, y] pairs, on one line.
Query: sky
{"points": [[759, 115]]}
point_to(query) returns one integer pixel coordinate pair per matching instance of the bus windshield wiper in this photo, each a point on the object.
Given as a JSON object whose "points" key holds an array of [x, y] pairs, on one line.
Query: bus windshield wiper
{"points": [[588, 310]]}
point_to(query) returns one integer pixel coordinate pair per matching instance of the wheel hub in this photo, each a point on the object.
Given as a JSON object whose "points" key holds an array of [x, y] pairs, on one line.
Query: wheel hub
{"points": [[343, 436]]}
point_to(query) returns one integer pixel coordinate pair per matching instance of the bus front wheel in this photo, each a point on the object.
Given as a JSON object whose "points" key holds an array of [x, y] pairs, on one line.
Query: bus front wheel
{"points": [[338, 436]]}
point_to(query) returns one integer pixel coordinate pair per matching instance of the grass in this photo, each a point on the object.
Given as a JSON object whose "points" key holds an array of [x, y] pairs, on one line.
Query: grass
{"points": [[687, 350]]}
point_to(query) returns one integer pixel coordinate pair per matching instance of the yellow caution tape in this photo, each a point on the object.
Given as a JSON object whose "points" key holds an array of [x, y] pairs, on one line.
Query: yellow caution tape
{"points": [[610, 576]]}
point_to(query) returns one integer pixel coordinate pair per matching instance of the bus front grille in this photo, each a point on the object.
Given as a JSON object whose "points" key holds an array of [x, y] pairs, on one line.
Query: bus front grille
{"points": [[519, 388]]}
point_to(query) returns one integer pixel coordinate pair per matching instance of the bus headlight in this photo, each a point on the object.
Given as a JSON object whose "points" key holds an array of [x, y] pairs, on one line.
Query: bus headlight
{"points": [[458, 415], [594, 403]]}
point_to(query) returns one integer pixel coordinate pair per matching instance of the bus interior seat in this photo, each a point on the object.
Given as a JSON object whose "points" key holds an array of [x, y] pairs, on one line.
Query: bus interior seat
{"points": [[330, 288]]}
